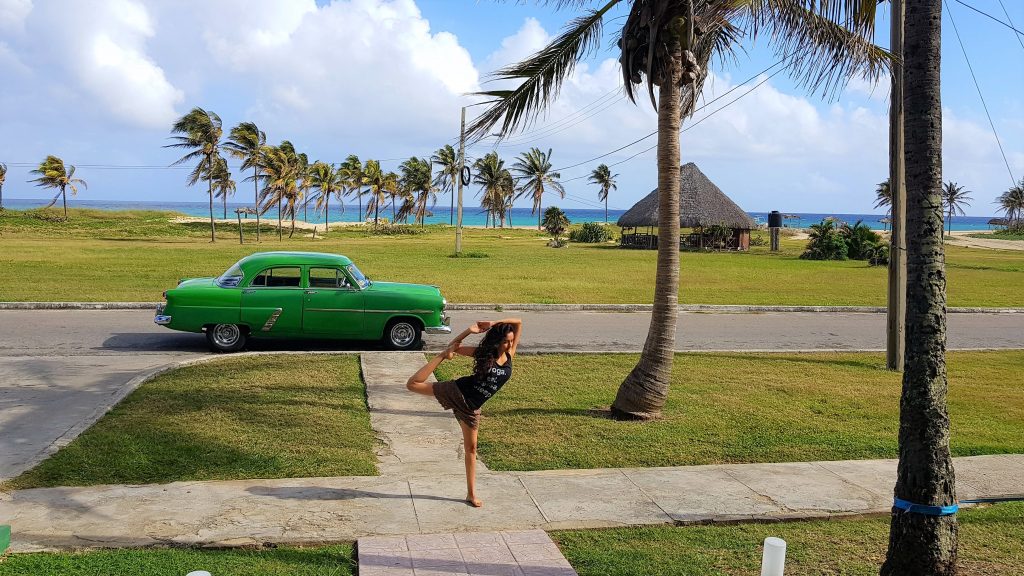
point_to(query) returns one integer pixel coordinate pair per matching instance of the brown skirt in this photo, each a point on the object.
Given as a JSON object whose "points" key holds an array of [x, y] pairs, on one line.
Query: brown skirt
{"points": [[451, 398]]}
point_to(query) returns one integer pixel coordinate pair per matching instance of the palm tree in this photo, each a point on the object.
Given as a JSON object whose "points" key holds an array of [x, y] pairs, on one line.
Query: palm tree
{"points": [[200, 133], [670, 43], [497, 186], [381, 185], [352, 174], [328, 180], [223, 185], [447, 178], [954, 198], [921, 544], [534, 174], [53, 174], [245, 142], [883, 197], [603, 177], [417, 179], [280, 177], [3, 176], [555, 223], [1011, 203]]}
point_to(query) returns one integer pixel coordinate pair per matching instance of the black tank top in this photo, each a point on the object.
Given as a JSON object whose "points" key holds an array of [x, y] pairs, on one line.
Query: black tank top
{"points": [[477, 391]]}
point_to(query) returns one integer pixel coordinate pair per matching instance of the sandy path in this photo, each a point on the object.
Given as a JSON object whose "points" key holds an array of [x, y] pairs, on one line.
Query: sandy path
{"points": [[300, 224], [961, 238]]}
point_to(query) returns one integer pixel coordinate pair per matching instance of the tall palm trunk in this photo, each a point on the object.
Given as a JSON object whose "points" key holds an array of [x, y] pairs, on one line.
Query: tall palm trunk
{"points": [[606, 207], [393, 217], [256, 201], [1, 196], [209, 180], [327, 214], [921, 544], [451, 213], [539, 211], [224, 201], [292, 231], [359, 198], [950, 220], [644, 391], [376, 212], [280, 233]]}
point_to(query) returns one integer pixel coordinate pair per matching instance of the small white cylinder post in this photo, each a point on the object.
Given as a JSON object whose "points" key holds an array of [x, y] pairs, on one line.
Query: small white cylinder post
{"points": [[199, 573], [773, 559]]}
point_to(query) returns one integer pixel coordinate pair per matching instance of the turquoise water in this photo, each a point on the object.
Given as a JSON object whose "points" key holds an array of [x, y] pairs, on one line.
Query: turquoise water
{"points": [[471, 216]]}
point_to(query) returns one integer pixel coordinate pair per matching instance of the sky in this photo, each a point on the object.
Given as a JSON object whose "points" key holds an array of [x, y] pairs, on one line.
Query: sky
{"points": [[99, 83]]}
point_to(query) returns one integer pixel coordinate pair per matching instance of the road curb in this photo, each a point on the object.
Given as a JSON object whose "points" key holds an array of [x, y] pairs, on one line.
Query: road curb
{"points": [[719, 308]]}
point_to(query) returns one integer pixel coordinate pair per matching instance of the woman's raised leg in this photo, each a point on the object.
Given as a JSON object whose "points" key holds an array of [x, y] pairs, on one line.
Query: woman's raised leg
{"points": [[469, 443]]}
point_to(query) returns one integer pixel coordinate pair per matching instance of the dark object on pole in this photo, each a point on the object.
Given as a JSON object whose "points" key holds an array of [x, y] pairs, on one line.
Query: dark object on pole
{"points": [[897, 308], [774, 224]]}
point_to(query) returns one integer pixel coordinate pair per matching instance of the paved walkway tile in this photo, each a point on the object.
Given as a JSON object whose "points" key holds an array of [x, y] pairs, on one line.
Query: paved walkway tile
{"points": [[505, 553]]}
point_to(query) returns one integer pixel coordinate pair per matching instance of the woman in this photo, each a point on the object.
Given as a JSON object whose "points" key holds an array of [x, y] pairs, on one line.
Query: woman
{"points": [[492, 367]]}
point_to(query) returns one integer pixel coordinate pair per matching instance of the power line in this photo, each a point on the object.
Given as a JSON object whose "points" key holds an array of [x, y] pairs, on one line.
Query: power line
{"points": [[1010, 20], [553, 130], [602, 103], [1010, 26], [1013, 181]]}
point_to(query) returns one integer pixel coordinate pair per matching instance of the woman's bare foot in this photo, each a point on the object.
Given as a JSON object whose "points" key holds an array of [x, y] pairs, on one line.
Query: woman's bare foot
{"points": [[474, 501]]}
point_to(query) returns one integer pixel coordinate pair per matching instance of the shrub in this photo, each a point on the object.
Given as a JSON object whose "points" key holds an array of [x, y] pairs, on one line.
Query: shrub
{"points": [[388, 229], [758, 240], [879, 255], [826, 243], [555, 222], [591, 233], [861, 241]]}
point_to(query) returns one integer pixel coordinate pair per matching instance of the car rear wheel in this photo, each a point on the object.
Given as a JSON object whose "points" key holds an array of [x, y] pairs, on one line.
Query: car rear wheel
{"points": [[226, 337], [403, 334]]}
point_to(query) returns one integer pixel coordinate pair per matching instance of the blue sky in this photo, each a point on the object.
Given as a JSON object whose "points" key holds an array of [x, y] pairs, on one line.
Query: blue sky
{"points": [[99, 83]]}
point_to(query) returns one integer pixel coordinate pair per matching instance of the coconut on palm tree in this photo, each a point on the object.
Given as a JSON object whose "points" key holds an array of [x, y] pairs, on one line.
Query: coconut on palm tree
{"points": [[223, 185], [605, 180], [53, 174], [954, 198], [668, 45], [447, 159], [245, 142], [535, 175], [327, 180], [352, 175], [417, 179], [199, 132]]}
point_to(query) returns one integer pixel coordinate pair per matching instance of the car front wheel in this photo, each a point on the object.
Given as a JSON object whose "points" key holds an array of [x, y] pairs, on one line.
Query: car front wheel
{"points": [[403, 334], [225, 337]]}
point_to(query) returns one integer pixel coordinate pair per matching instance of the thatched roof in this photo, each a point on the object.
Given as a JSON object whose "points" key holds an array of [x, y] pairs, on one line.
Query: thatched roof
{"points": [[998, 222], [701, 203]]}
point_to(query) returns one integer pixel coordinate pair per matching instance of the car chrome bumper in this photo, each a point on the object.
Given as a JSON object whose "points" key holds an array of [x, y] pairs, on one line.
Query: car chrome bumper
{"points": [[444, 328], [160, 317]]}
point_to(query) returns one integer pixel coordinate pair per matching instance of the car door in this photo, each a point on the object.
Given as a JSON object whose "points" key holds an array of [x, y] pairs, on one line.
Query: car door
{"points": [[332, 304], [272, 302]]}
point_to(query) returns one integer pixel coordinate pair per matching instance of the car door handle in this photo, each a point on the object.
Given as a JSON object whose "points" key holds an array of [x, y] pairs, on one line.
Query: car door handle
{"points": [[310, 291]]}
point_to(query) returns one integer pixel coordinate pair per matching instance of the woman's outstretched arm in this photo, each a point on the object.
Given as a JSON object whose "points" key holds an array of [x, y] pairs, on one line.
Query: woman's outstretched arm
{"points": [[474, 328]]}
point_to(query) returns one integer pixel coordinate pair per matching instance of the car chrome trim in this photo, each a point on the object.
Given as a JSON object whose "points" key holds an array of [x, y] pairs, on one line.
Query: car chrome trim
{"points": [[438, 330], [399, 311], [331, 310], [272, 320], [162, 320]]}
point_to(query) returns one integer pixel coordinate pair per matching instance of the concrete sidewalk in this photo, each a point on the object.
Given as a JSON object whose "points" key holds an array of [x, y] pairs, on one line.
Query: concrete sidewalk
{"points": [[312, 510]]}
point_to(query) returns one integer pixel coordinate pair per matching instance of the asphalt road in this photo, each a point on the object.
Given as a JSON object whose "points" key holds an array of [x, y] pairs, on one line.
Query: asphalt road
{"points": [[60, 369]]}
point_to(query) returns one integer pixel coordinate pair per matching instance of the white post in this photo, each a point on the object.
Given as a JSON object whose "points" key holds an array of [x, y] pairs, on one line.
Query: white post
{"points": [[199, 573], [773, 559]]}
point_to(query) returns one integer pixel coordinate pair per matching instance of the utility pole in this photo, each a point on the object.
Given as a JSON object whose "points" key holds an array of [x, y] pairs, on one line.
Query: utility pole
{"points": [[462, 164], [897, 310]]}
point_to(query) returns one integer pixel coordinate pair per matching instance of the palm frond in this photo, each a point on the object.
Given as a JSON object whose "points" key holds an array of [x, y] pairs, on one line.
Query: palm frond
{"points": [[541, 76]]}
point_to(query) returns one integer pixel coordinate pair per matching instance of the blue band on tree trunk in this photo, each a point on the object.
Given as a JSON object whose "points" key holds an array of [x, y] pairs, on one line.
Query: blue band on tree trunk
{"points": [[925, 509]]}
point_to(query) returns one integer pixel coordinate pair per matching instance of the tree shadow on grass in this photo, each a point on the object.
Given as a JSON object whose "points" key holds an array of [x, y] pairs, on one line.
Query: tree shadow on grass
{"points": [[319, 493]]}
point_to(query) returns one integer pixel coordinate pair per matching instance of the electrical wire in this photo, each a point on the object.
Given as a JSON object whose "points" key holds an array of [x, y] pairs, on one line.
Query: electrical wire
{"points": [[1013, 181], [1010, 25], [1010, 20]]}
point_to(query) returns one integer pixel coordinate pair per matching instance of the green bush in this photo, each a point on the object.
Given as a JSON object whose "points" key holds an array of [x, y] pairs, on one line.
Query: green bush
{"points": [[388, 229], [826, 243], [591, 233], [879, 256], [861, 241]]}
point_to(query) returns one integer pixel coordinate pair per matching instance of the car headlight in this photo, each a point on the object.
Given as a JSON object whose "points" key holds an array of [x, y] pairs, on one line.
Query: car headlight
{"points": [[444, 303]]}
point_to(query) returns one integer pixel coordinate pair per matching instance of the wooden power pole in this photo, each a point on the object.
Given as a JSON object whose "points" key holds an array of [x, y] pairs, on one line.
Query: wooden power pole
{"points": [[462, 164], [897, 310]]}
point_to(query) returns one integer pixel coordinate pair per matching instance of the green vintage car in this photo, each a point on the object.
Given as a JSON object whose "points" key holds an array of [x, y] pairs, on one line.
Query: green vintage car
{"points": [[302, 295]]}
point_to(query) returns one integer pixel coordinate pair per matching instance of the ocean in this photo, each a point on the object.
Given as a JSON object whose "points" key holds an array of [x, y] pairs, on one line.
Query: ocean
{"points": [[471, 215]]}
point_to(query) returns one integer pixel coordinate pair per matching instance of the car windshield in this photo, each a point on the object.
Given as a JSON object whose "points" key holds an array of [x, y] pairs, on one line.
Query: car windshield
{"points": [[357, 276], [231, 278]]}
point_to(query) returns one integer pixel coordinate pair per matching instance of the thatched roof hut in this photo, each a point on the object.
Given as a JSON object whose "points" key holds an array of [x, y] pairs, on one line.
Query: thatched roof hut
{"points": [[998, 222], [701, 204]]}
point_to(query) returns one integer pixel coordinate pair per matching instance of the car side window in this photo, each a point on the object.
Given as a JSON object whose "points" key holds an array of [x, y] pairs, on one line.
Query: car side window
{"points": [[283, 277], [326, 278]]}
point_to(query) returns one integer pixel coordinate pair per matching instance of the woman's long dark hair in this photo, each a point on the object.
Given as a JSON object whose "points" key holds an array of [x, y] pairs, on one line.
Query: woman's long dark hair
{"points": [[488, 350]]}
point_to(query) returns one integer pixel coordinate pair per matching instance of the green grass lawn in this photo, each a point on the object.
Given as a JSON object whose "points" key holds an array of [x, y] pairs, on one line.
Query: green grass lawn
{"points": [[731, 408], [1000, 235], [136, 256], [991, 543], [250, 417], [284, 561]]}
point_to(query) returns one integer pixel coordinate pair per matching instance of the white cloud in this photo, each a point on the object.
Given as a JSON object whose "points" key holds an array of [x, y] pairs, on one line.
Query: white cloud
{"points": [[102, 45], [13, 14]]}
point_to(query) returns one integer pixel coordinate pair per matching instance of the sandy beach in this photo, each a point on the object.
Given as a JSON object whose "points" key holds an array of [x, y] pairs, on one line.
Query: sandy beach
{"points": [[303, 225]]}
